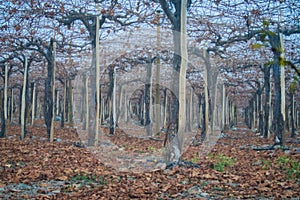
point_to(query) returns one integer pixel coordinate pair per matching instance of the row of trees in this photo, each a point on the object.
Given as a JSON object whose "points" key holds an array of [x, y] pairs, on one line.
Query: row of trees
{"points": [[240, 55]]}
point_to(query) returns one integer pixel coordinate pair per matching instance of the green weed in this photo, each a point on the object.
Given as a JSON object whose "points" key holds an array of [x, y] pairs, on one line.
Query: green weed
{"points": [[221, 162]]}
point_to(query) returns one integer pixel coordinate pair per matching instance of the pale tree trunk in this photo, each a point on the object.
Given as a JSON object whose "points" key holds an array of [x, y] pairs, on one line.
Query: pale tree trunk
{"points": [[114, 102], [292, 105], [38, 106], [3, 125], [70, 103], [23, 105], [287, 119], [9, 108], [227, 112], [188, 119], [267, 101], [254, 113], [12, 105], [4, 117], [97, 78], [57, 103], [119, 105], [182, 77], [199, 111], [157, 85], [4, 103], [5, 91], [86, 103], [53, 93], [33, 103], [205, 131], [64, 115], [298, 119], [223, 106], [125, 107], [191, 110], [282, 81], [165, 108]]}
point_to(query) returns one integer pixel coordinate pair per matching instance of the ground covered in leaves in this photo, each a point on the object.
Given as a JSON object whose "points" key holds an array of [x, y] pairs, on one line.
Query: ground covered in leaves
{"points": [[237, 166]]}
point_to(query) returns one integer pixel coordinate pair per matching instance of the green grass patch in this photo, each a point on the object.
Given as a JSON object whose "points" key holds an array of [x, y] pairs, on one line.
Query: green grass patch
{"points": [[221, 162], [292, 167]]}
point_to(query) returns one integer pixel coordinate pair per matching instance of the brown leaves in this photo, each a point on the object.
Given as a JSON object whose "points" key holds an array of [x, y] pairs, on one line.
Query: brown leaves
{"points": [[255, 174]]}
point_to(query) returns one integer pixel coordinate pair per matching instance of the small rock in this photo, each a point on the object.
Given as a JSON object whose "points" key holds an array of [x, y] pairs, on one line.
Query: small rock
{"points": [[233, 128], [204, 194], [233, 184], [287, 152], [296, 150], [23, 186], [194, 190], [161, 166], [254, 130], [58, 140], [57, 118]]}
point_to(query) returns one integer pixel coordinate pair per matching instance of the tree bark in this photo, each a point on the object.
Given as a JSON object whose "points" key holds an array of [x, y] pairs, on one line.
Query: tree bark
{"points": [[157, 84], [70, 103], [24, 102], [49, 86], [292, 105], [147, 100], [278, 117], [267, 101], [3, 125], [110, 97], [33, 88]]}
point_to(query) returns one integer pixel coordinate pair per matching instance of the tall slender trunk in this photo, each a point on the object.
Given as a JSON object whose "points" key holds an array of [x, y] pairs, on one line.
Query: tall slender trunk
{"points": [[277, 68], [292, 105], [147, 100], [157, 84], [110, 96], [49, 86], [267, 101], [24, 102], [70, 103], [3, 125]]}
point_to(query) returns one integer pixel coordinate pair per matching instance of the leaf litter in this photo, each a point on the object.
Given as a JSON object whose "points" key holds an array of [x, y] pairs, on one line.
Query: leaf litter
{"points": [[37, 169]]}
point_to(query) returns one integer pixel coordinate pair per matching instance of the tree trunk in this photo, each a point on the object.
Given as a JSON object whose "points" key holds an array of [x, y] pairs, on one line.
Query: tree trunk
{"points": [[24, 102], [147, 100], [110, 96], [293, 133], [157, 84], [33, 88], [70, 103], [267, 101], [212, 80], [260, 111], [277, 68], [205, 130], [3, 125], [5, 91], [49, 86], [12, 106], [199, 111], [165, 109], [97, 78]]}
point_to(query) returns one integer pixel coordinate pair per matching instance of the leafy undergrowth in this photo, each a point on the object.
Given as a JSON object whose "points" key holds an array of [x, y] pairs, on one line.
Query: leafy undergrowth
{"points": [[35, 168]]}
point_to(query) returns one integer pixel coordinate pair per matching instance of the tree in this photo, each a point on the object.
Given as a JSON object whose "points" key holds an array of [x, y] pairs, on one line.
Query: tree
{"points": [[178, 112]]}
